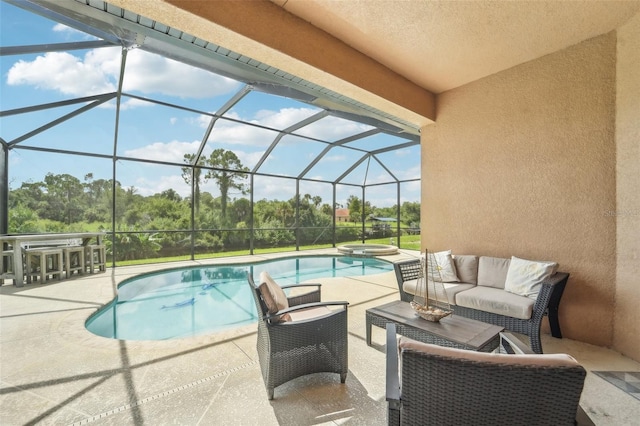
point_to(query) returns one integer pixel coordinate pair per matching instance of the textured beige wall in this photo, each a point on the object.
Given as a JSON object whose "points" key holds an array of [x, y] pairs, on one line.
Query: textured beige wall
{"points": [[266, 32], [627, 301], [523, 163]]}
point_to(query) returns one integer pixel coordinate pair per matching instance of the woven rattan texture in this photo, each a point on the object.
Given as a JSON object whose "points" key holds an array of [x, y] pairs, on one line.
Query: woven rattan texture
{"points": [[287, 350], [451, 391], [547, 303]]}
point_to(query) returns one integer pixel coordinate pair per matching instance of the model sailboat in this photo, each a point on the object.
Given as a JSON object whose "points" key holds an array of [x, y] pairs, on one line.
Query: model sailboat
{"points": [[430, 301]]}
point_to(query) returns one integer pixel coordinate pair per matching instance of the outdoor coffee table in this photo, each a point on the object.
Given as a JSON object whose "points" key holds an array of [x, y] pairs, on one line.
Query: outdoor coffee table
{"points": [[452, 331]]}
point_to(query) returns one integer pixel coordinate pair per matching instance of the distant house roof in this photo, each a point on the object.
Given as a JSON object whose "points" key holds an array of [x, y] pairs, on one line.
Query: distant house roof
{"points": [[384, 219], [342, 212]]}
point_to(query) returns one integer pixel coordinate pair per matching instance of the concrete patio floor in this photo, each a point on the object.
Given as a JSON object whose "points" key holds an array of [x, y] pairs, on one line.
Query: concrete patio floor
{"points": [[54, 371]]}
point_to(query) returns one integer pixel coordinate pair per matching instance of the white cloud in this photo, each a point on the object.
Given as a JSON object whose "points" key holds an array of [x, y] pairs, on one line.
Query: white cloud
{"points": [[334, 158], [99, 69], [174, 151], [72, 33], [150, 73], [231, 132], [333, 129], [404, 152], [411, 188], [283, 118], [249, 159], [147, 186], [408, 173], [159, 151], [381, 177], [62, 72], [131, 103], [274, 188]]}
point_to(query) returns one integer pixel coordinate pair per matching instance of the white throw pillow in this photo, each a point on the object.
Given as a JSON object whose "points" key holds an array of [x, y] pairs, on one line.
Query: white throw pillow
{"points": [[447, 268], [525, 277]]}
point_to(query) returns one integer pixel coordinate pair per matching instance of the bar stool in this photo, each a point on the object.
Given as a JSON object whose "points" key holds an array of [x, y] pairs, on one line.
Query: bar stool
{"points": [[95, 257], [6, 265], [73, 260], [48, 262]]}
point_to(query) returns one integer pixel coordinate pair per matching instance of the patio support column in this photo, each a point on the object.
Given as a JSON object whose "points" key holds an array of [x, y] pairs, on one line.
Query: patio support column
{"points": [[398, 216], [4, 189], [362, 210], [252, 227], [297, 227], [334, 213], [192, 238]]}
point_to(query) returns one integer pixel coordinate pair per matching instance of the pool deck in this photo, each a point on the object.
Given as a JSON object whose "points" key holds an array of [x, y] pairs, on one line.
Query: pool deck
{"points": [[54, 371]]}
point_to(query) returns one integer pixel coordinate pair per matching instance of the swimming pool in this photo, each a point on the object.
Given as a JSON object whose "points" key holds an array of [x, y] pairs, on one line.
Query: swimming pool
{"points": [[192, 301]]}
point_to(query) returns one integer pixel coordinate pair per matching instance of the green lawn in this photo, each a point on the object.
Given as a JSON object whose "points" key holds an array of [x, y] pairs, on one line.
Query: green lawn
{"points": [[409, 242]]}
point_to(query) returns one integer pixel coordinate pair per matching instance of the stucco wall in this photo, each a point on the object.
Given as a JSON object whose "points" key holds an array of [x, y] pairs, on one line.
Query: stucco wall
{"points": [[523, 163], [627, 318]]}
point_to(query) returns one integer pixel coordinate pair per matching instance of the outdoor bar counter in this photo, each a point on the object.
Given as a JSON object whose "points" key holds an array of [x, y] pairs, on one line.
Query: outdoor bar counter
{"points": [[13, 245]]}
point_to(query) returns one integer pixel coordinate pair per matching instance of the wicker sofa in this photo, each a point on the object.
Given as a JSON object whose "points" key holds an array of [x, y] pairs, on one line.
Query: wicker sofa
{"points": [[482, 288]]}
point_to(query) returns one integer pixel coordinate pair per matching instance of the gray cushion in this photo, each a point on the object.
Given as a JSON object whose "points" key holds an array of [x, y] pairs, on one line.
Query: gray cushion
{"points": [[466, 268], [492, 271], [497, 301]]}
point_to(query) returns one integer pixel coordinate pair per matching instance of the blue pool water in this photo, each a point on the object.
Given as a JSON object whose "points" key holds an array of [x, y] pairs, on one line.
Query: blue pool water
{"points": [[191, 301]]}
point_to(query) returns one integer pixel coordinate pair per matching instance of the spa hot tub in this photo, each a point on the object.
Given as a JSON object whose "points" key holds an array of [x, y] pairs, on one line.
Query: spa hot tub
{"points": [[367, 249]]}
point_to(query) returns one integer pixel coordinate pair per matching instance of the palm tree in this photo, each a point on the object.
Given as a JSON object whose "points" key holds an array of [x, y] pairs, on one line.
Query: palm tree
{"points": [[226, 171], [194, 174]]}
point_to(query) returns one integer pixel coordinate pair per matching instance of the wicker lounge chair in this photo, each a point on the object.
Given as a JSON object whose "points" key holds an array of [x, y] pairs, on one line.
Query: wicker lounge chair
{"points": [[445, 386], [307, 337]]}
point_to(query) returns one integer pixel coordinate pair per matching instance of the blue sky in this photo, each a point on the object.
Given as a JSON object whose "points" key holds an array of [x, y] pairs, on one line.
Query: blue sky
{"points": [[156, 132]]}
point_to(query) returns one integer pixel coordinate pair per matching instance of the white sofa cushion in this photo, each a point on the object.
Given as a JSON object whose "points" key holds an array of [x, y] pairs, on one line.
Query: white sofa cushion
{"points": [[410, 286], [452, 289], [492, 271], [309, 313], [525, 277], [497, 301], [466, 268]]}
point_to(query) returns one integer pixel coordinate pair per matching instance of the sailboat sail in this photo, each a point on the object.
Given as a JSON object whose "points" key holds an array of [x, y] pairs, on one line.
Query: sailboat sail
{"points": [[430, 301]]}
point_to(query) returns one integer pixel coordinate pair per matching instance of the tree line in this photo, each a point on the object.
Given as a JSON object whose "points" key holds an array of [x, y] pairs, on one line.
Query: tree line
{"points": [[65, 203]]}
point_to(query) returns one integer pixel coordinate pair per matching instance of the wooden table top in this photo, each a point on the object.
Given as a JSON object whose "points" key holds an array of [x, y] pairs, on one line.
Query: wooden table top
{"points": [[453, 327]]}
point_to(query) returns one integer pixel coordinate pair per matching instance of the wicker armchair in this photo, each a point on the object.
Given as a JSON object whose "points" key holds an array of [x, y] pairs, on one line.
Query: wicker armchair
{"points": [[308, 337], [445, 386]]}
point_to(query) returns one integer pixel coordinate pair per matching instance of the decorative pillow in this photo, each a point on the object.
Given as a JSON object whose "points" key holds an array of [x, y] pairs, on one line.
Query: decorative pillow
{"points": [[525, 277], [446, 266], [272, 294], [492, 271], [272, 307], [466, 268]]}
